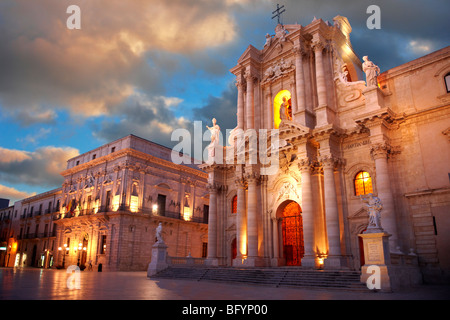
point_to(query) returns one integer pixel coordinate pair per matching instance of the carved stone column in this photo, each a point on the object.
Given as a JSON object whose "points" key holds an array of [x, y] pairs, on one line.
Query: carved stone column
{"points": [[241, 221], [380, 152], [318, 47], [276, 242], [309, 258], [252, 215], [331, 213], [240, 103], [213, 189], [300, 80], [250, 108], [269, 112]]}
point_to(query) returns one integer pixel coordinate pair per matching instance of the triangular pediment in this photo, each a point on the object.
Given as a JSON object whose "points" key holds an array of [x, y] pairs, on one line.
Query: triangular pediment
{"points": [[250, 53], [276, 50]]}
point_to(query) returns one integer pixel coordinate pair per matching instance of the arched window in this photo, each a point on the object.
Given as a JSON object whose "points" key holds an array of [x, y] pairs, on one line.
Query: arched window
{"points": [[447, 82], [234, 205], [363, 183]]}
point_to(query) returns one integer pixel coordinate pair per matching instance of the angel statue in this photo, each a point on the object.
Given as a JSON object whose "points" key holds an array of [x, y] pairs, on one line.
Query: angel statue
{"points": [[374, 205]]}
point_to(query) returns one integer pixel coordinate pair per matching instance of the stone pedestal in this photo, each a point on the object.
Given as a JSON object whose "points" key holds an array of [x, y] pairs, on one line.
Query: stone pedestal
{"points": [[159, 259], [213, 262], [251, 262], [377, 259], [374, 99]]}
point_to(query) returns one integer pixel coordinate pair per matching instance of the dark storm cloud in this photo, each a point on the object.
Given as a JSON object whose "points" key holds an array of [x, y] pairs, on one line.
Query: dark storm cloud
{"points": [[223, 108]]}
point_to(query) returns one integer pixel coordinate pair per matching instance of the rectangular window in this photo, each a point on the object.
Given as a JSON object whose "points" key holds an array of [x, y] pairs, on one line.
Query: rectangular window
{"points": [[113, 149], [161, 205], [205, 213], [94, 156], [103, 244], [108, 199]]}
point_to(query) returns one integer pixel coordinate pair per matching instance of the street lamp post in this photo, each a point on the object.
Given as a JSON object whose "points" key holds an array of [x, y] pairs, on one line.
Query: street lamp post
{"points": [[66, 249]]}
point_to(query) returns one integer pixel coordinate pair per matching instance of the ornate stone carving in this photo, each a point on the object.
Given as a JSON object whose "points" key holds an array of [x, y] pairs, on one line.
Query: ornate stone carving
{"points": [[318, 45], [213, 187], [278, 70], [328, 161], [252, 177], [288, 191], [380, 150], [241, 183], [268, 40]]}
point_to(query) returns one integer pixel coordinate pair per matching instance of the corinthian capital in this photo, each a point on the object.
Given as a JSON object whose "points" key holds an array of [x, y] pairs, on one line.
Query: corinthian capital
{"points": [[250, 76], [380, 150], [240, 83], [318, 45], [241, 183], [252, 177], [328, 161], [213, 187], [304, 164]]}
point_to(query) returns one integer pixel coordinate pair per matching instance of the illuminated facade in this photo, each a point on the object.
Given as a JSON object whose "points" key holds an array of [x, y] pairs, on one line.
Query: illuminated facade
{"points": [[341, 140], [106, 212]]}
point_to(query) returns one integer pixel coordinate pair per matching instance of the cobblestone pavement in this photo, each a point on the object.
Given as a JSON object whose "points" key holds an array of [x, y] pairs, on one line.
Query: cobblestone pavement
{"points": [[32, 284]]}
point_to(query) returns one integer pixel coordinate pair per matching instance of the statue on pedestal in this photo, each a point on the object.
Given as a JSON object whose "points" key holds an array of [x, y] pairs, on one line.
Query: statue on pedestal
{"points": [[159, 238], [285, 110], [374, 206], [215, 133], [371, 70]]}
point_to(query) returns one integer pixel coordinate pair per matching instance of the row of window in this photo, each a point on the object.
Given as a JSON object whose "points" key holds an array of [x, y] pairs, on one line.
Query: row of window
{"points": [[49, 209], [362, 184]]}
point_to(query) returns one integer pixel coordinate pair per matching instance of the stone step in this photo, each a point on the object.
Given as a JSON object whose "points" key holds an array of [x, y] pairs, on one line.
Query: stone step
{"points": [[277, 277]]}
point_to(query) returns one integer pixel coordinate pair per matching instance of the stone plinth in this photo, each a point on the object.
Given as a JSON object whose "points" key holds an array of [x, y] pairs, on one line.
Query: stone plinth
{"points": [[377, 259], [374, 98], [159, 259]]}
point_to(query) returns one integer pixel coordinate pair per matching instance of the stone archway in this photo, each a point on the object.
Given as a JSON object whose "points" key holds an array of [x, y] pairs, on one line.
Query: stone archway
{"points": [[290, 217]]}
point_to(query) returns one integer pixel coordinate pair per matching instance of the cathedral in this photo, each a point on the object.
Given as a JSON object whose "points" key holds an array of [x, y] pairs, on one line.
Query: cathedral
{"points": [[344, 132]]}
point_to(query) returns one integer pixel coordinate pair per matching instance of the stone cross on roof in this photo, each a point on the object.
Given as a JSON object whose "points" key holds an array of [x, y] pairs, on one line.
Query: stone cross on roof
{"points": [[278, 12]]}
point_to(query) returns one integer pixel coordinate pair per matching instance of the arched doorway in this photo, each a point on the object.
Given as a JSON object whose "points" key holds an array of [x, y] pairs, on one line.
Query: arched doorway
{"points": [[292, 233]]}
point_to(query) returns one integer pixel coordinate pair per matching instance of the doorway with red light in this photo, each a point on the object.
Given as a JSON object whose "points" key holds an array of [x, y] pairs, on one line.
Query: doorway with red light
{"points": [[290, 214]]}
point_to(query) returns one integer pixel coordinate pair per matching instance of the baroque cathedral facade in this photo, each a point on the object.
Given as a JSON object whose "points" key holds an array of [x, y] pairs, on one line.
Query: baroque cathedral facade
{"points": [[341, 139]]}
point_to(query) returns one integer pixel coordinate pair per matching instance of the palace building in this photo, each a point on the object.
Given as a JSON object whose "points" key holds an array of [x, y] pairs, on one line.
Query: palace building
{"points": [[106, 212], [341, 138]]}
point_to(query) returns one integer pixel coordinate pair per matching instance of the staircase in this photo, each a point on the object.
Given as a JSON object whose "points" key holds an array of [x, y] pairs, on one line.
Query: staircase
{"points": [[276, 277]]}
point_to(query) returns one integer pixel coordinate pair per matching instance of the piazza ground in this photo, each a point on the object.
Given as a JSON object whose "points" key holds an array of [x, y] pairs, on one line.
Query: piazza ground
{"points": [[51, 284]]}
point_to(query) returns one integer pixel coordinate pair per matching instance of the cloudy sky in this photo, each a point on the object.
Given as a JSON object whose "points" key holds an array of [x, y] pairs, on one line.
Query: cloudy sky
{"points": [[147, 67]]}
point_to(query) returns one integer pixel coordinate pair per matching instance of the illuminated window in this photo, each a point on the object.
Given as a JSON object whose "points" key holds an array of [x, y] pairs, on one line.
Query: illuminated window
{"points": [[363, 183], [447, 82], [234, 205]]}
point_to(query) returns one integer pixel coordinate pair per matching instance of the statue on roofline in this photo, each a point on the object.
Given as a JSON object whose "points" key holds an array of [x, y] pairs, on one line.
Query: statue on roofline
{"points": [[371, 70]]}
